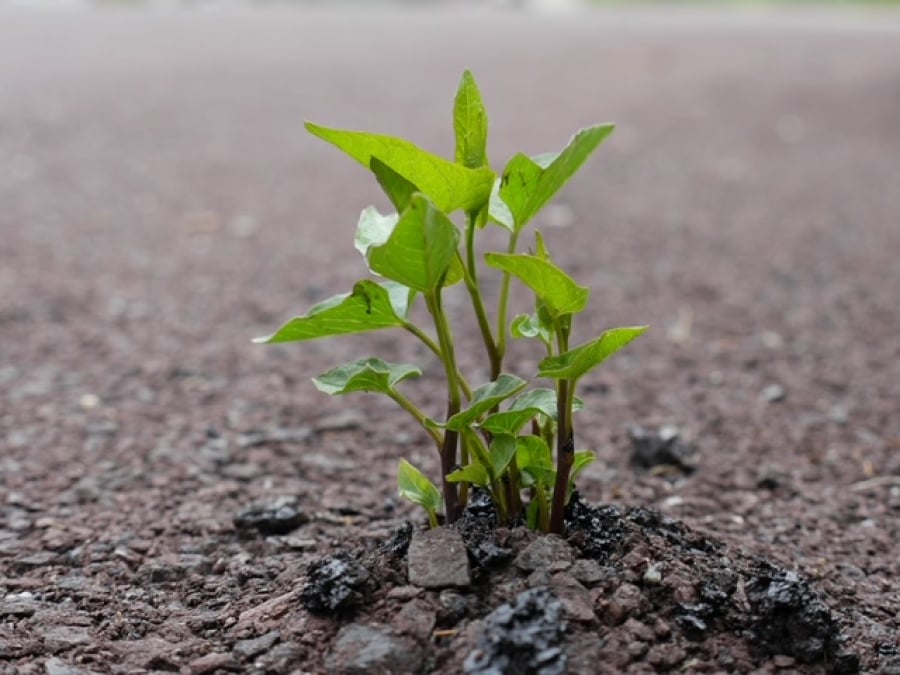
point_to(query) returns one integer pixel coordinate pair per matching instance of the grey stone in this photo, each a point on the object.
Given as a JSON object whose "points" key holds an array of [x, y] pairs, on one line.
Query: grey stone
{"points": [[437, 559], [212, 662], [63, 638], [416, 619], [56, 666], [247, 649], [575, 598], [544, 552], [372, 650], [773, 393], [587, 571]]}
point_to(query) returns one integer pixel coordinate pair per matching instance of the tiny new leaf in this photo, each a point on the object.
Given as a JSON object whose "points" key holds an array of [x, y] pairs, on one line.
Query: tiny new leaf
{"points": [[557, 290], [470, 123], [370, 306], [419, 250], [450, 186], [583, 458], [414, 486], [486, 397], [368, 375], [576, 362], [527, 184]]}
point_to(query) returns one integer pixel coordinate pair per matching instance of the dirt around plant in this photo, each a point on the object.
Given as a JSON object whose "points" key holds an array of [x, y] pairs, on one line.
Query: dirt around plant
{"points": [[175, 499]]}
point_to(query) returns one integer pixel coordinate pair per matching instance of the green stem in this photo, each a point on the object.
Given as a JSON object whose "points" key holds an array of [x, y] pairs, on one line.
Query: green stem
{"points": [[504, 302], [410, 407], [436, 350], [449, 446], [565, 438], [470, 278]]}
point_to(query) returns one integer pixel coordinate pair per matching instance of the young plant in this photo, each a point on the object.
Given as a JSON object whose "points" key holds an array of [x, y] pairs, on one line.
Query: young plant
{"points": [[498, 436]]}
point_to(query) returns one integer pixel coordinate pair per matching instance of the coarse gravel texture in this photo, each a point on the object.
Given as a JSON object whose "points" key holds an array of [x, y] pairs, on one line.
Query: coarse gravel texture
{"points": [[161, 204]]}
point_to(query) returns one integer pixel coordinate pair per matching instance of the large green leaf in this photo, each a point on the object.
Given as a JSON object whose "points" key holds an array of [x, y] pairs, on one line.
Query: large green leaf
{"points": [[450, 186], [470, 123], [415, 486], [367, 375], [527, 183], [557, 290], [370, 306], [420, 248], [398, 189], [576, 362], [486, 397]]}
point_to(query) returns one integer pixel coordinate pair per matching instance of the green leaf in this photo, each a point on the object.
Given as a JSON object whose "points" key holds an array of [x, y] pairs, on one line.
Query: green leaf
{"points": [[470, 123], [556, 289], [576, 362], [420, 248], [533, 457], [543, 400], [369, 307], [486, 397], [503, 449], [531, 326], [368, 375], [498, 211], [527, 184], [450, 186], [471, 473], [583, 458], [396, 187], [508, 422], [414, 486]]}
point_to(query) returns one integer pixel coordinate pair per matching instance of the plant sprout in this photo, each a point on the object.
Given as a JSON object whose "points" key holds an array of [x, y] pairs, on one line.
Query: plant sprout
{"points": [[501, 436]]}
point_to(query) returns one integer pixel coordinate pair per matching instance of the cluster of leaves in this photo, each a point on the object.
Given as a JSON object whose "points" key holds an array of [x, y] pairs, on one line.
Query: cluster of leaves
{"points": [[499, 436]]}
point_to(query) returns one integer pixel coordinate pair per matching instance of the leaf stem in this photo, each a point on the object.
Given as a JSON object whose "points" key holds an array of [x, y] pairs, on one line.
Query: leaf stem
{"points": [[470, 278], [436, 350], [419, 416], [504, 302], [449, 446], [565, 437]]}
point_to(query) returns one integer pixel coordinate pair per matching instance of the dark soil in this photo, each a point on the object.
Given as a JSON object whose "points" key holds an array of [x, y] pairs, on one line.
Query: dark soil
{"points": [[176, 499]]}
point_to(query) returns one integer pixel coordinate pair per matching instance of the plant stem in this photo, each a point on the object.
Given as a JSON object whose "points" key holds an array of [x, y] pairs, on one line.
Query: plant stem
{"points": [[470, 278], [449, 447], [565, 437], [410, 407], [504, 302], [436, 350]]}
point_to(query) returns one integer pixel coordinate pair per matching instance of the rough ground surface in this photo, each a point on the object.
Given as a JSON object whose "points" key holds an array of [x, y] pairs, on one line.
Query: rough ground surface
{"points": [[161, 205]]}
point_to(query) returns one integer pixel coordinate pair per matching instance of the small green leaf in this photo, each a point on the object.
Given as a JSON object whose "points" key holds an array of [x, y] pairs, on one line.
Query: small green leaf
{"points": [[415, 486], [450, 186], [578, 361], [368, 375], [420, 248], [531, 326], [533, 457], [503, 449], [583, 458], [556, 289], [369, 307], [470, 123], [498, 211], [396, 187], [471, 473], [486, 397], [527, 183]]}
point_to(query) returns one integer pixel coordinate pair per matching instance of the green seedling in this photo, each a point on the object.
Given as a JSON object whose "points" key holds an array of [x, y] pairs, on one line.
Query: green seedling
{"points": [[508, 436]]}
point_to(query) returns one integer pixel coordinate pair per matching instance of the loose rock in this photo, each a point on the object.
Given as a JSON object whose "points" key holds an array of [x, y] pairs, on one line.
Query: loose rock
{"points": [[372, 650], [437, 559]]}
